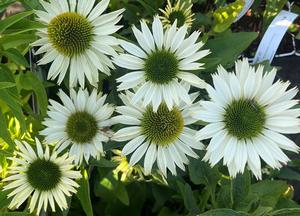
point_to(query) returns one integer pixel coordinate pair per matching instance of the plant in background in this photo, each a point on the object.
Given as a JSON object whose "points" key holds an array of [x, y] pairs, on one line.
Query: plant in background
{"points": [[181, 11]]}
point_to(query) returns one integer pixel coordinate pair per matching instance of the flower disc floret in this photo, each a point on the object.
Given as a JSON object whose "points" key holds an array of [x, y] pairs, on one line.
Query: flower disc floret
{"points": [[70, 33], [81, 127], [161, 67], [43, 175], [244, 119], [164, 126]]}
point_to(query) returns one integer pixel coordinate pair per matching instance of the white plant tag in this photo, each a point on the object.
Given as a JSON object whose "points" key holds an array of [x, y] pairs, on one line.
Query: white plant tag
{"points": [[247, 6], [273, 36]]}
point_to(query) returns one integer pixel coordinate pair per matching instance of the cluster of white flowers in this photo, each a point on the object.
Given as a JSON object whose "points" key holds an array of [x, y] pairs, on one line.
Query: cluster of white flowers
{"points": [[246, 115]]}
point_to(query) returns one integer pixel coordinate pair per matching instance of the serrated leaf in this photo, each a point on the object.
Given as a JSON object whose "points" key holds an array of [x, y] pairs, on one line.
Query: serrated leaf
{"points": [[224, 196], [201, 173], [188, 198], [15, 56], [269, 191], [240, 187], [83, 194], [4, 24]]}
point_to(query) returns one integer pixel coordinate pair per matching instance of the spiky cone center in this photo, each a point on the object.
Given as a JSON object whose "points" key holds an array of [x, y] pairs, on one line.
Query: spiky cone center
{"points": [[70, 33], [244, 118], [164, 126]]}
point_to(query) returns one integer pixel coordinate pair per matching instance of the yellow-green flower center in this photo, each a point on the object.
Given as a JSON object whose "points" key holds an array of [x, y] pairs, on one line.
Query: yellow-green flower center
{"points": [[70, 33], [81, 127], [43, 175], [161, 67], [244, 119], [164, 126], [177, 15]]}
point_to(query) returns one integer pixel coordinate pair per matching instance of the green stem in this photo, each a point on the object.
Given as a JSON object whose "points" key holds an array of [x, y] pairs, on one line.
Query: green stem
{"points": [[213, 196]]}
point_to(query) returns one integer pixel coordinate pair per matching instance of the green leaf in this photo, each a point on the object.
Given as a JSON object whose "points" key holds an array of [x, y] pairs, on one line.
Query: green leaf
{"points": [[223, 212], [83, 194], [188, 198], [225, 16], [4, 201], [286, 212], [224, 196], [284, 202], [240, 187], [4, 134], [23, 26], [249, 203], [12, 41], [110, 189], [31, 4], [269, 191], [261, 211], [289, 174], [201, 173], [14, 104], [15, 56], [29, 81], [148, 8], [4, 24], [122, 194], [102, 162], [4, 85], [229, 46], [210, 64]]}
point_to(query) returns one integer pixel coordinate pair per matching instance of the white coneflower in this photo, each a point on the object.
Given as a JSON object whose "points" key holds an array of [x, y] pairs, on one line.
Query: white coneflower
{"points": [[164, 57], [49, 178], [77, 36], [80, 123], [161, 136], [246, 115], [180, 11]]}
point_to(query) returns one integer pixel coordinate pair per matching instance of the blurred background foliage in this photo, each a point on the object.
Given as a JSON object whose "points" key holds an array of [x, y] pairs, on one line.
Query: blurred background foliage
{"points": [[110, 186]]}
